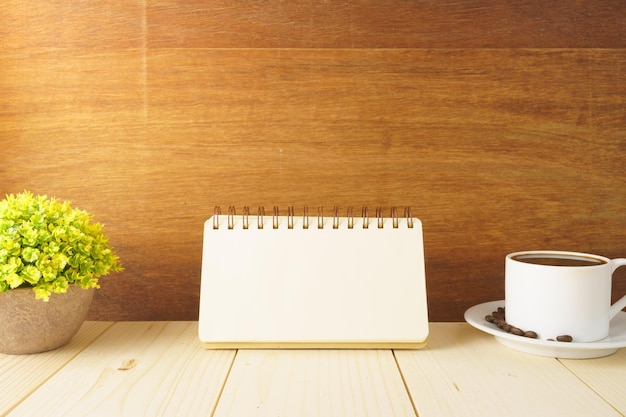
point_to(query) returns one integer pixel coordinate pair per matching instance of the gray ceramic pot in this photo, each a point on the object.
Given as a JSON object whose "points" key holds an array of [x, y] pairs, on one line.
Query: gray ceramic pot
{"points": [[28, 325]]}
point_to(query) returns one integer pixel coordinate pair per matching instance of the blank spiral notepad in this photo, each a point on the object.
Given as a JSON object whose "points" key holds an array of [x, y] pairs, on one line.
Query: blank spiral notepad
{"points": [[313, 281]]}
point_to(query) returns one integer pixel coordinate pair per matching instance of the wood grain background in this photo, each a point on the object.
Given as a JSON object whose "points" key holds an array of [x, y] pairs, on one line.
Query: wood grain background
{"points": [[502, 124]]}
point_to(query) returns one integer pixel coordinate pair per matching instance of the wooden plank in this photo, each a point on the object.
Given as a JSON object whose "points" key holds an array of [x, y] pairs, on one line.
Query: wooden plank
{"points": [[391, 24], [23, 374], [105, 24], [463, 372], [314, 383], [70, 94], [605, 376], [136, 369], [484, 145]]}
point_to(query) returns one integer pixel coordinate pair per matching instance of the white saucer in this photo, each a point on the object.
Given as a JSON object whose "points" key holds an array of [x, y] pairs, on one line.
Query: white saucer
{"points": [[616, 339]]}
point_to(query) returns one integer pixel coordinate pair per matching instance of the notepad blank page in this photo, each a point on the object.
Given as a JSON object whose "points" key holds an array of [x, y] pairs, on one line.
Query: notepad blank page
{"points": [[313, 285]]}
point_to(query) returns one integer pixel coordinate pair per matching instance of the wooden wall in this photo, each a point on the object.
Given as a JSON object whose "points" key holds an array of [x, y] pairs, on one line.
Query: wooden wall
{"points": [[502, 124]]}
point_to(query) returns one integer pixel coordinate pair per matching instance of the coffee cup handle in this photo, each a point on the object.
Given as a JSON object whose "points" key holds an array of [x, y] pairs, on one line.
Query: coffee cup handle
{"points": [[621, 303]]}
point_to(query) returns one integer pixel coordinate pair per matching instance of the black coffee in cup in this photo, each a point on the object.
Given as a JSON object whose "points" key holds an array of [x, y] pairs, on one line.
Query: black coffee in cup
{"points": [[559, 260]]}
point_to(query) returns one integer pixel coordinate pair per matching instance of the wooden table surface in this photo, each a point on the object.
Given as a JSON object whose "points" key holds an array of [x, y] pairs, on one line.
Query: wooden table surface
{"points": [[160, 369]]}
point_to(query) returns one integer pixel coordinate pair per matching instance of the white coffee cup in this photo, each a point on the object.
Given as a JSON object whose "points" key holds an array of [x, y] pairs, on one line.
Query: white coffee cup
{"points": [[557, 293]]}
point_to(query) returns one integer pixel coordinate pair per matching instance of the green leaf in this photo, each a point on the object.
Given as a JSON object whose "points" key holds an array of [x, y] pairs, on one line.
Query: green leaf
{"points": [[13, 279], [30, 274], [30, 254]]}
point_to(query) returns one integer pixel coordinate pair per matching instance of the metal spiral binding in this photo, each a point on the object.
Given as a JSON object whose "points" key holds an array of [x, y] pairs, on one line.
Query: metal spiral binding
{"points": [[379, 216], [305, 219], [409, 217], [275, 218], [320, 217], [259, 217], [231, 217], [350, 218], [380, 220], [216, 217], [290, 215], [366, 217], [394, 217], [246, 213]]}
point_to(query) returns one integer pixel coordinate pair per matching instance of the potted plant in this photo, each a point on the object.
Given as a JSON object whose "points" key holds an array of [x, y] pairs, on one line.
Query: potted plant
{"points": [[51, 256]]}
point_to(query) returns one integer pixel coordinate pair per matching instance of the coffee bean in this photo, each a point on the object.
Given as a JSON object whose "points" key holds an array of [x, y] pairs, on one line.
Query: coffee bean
{"points": [[516, 331], [498, 315]]}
